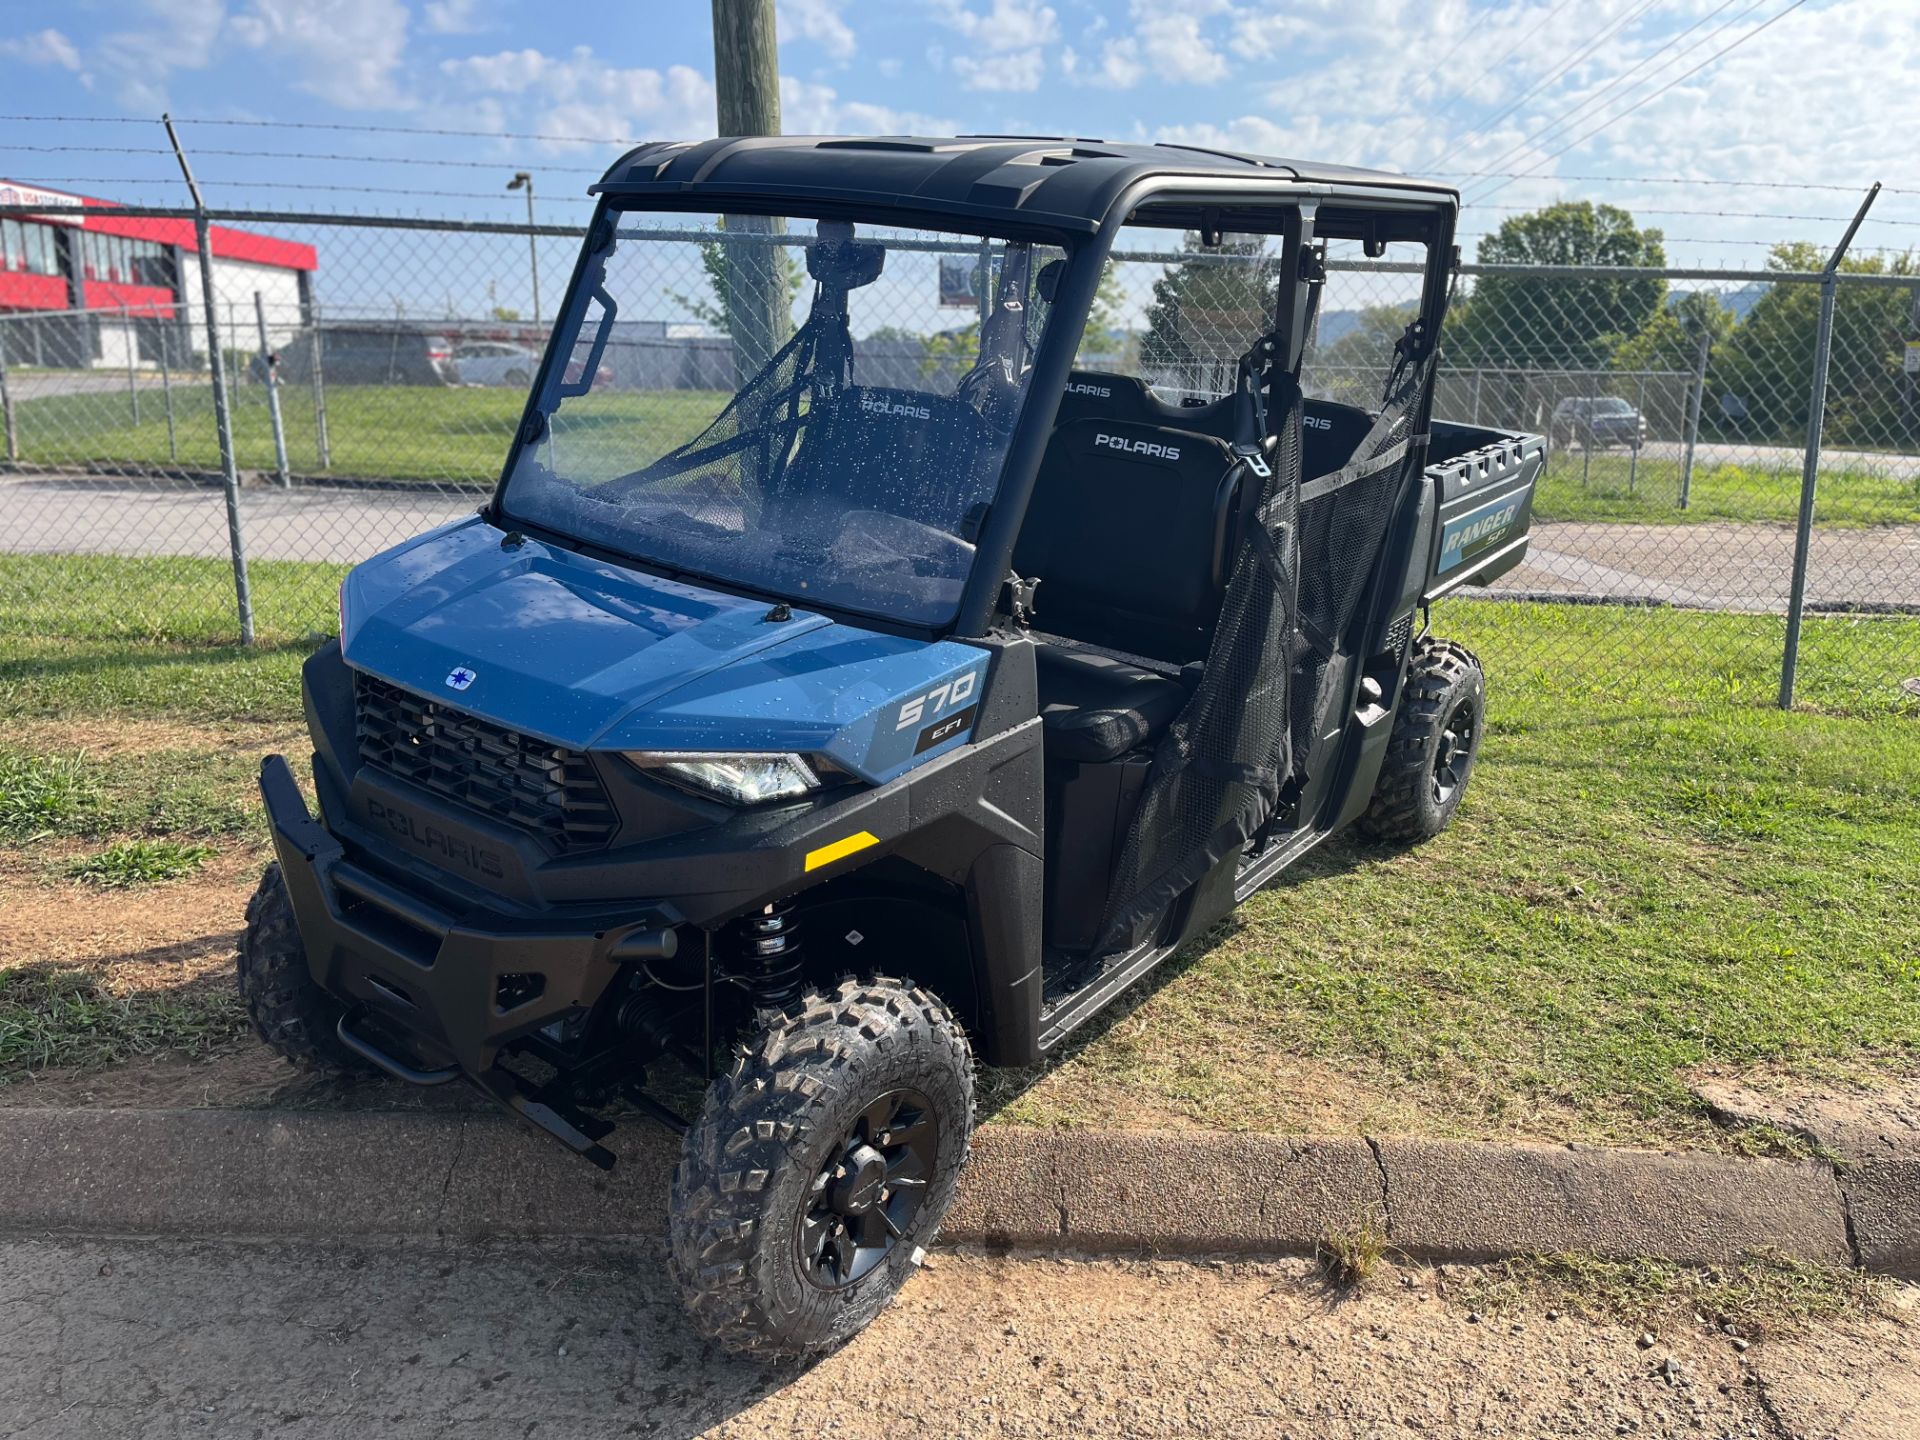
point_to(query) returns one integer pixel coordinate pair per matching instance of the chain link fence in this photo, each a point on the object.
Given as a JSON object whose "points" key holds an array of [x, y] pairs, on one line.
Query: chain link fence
{"points": [[375, 398]]}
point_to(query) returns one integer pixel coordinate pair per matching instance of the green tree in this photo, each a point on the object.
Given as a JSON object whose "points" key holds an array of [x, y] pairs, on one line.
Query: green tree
{"points": [[711, 310], [1368, 345], [1767, 363], [1671, 340], [1208, 310], [1550, 323]]}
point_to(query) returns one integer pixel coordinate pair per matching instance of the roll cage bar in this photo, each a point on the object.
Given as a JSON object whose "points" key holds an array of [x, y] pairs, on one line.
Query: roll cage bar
{"points": [[1304, 215]]}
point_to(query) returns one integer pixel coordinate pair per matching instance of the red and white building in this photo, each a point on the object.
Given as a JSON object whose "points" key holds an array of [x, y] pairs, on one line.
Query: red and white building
{"points": [[104, 289]]}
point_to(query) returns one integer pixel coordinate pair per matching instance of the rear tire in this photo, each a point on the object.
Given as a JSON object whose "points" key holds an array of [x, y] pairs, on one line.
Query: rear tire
{"points": [[1434, 747], [293, 1017], [821, 1163]]}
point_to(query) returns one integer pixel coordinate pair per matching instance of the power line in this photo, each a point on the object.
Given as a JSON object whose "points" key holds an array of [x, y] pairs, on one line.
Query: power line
{"points": [[1647, 99], [1505, 56], [1606, 33], [1627, 78]]}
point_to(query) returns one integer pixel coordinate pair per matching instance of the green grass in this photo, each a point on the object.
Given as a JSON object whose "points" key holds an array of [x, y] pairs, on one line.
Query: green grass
{"points": [[51, 1016], [129, 863], [162, 792], [1612, 486], [1654, 870], [1648, 875], [455, 434], [459, 435], [42, 795]]}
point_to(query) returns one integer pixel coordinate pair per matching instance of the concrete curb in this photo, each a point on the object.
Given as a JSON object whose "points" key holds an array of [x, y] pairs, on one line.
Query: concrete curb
{"points": [[264, 1172]]}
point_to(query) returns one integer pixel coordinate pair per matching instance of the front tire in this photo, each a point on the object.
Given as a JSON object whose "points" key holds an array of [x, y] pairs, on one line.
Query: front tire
{"points": [[1434, 747], [293, 1017], [821, 1164]]}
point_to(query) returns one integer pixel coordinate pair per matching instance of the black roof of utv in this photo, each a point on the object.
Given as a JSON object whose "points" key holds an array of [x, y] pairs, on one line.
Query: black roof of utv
{"points": [[1053, 182]]}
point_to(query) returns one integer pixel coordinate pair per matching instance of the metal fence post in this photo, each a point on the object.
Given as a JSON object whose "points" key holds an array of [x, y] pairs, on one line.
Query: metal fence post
{"points": [[222, 419], [270, 366], [166, 393], [133, 354], [321, 442], [1633, 454], [1698, 399], [1810, 471], [7, 421]]}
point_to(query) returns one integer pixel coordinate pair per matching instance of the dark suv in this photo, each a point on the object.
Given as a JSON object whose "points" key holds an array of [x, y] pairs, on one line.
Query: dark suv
{"points": [[1596, 422]]}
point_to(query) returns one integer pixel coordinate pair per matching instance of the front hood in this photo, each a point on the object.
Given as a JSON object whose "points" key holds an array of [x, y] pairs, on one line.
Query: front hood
{"points": [[588, 654]]}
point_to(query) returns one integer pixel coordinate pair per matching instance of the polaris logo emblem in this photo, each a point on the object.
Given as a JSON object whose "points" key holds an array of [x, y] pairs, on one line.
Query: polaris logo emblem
{"points": [[460, 677], [1151, 449], [1081, 387], [430, 837], [875, 406], [1316, 422]]}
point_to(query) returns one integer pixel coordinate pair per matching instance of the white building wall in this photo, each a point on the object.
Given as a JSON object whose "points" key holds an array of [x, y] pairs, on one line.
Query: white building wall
{"points": [[234, 284]]}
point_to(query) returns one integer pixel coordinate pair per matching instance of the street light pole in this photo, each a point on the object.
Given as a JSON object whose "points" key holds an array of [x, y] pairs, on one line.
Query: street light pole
{"points": [[523, 181]]}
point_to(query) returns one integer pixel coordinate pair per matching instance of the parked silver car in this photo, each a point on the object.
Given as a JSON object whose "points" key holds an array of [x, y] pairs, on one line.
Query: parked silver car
{"points": [[494, 363], [491, 362]]}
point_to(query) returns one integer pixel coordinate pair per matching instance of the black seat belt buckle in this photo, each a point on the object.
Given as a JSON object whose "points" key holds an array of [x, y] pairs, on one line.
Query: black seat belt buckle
{"points": [[1255, 460]]}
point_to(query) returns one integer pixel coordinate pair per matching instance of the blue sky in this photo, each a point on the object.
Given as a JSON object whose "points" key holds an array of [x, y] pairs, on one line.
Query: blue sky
{"points": [[1550, 91]]}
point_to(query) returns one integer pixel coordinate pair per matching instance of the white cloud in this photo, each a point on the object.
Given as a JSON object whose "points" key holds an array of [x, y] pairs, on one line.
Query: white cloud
{"points": [[43, 47], [452, 17], [582, 95], [821, 22], [1179, 49], [347, 52], [1004, 25], [1015, 70], [812, 109], [1118, 66], [141, 61]]}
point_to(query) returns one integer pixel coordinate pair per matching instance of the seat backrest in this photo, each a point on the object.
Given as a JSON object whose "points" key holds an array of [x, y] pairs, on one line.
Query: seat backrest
{"points": [[905, 452], [1130, 532]]}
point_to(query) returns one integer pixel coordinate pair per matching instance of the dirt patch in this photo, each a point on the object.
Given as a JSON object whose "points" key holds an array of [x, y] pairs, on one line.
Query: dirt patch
{"points": [[245, 1075], [121, 735], [151, 937], [1869, 1120]]}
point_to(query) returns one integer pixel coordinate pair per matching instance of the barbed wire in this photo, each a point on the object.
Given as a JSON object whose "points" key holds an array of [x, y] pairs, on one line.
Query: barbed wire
{"points": [[435, 162], [328, 125], [559, 197]]}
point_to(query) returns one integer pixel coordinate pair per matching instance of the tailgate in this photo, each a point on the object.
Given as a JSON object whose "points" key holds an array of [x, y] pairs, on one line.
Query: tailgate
{"points": [[1483, 480]]}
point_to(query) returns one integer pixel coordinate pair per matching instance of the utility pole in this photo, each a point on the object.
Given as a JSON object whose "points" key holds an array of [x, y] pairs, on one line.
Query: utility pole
{"points": [[523, 181], [746, 82]]}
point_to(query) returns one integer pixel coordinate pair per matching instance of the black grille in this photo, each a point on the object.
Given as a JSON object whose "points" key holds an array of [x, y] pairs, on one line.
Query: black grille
{"points": [[542, 789]]}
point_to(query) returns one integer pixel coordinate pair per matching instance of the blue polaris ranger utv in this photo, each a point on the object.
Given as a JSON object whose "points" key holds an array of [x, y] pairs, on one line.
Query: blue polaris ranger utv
{"points": [[932, 581]]}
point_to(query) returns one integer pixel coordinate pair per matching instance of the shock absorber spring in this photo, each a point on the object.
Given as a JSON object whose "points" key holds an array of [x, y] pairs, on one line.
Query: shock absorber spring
{"points": [[767, 954]]}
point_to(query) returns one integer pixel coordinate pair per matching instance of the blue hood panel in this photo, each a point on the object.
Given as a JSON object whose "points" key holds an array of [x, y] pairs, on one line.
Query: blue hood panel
{"points": [[589, 654]]}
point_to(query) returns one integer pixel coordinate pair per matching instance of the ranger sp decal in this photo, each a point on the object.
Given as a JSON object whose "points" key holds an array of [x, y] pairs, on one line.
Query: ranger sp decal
{"points": [[1475, 532]]}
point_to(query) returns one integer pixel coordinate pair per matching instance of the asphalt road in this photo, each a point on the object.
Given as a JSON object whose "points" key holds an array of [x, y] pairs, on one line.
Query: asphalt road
{"points": [[151, 1339], [1711, 566]]}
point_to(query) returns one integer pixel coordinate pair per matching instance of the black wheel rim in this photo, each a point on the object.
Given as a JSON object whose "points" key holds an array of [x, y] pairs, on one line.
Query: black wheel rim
{"points": [[866, 1195], [1453, 756]]}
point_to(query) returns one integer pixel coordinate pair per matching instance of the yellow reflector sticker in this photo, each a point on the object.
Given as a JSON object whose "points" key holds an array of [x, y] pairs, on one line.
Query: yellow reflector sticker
{"points": [[840, 849]]}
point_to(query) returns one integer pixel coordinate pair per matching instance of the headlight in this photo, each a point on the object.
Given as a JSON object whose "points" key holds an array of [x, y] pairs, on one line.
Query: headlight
{"points": [[741, 779]]}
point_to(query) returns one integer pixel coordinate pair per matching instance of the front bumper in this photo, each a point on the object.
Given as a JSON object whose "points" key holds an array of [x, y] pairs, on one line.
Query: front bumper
{"points": [[458, 987]]}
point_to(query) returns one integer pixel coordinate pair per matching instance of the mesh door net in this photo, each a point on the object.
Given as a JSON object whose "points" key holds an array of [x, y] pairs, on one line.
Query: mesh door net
{"points": [[1344, 517], [1218, 771]]}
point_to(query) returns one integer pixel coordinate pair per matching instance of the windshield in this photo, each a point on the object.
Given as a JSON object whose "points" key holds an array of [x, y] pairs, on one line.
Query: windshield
{"points": [[814, 410]]}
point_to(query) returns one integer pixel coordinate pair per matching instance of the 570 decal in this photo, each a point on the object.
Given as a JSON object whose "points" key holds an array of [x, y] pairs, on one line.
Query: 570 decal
{"points": [[944, 697]]}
